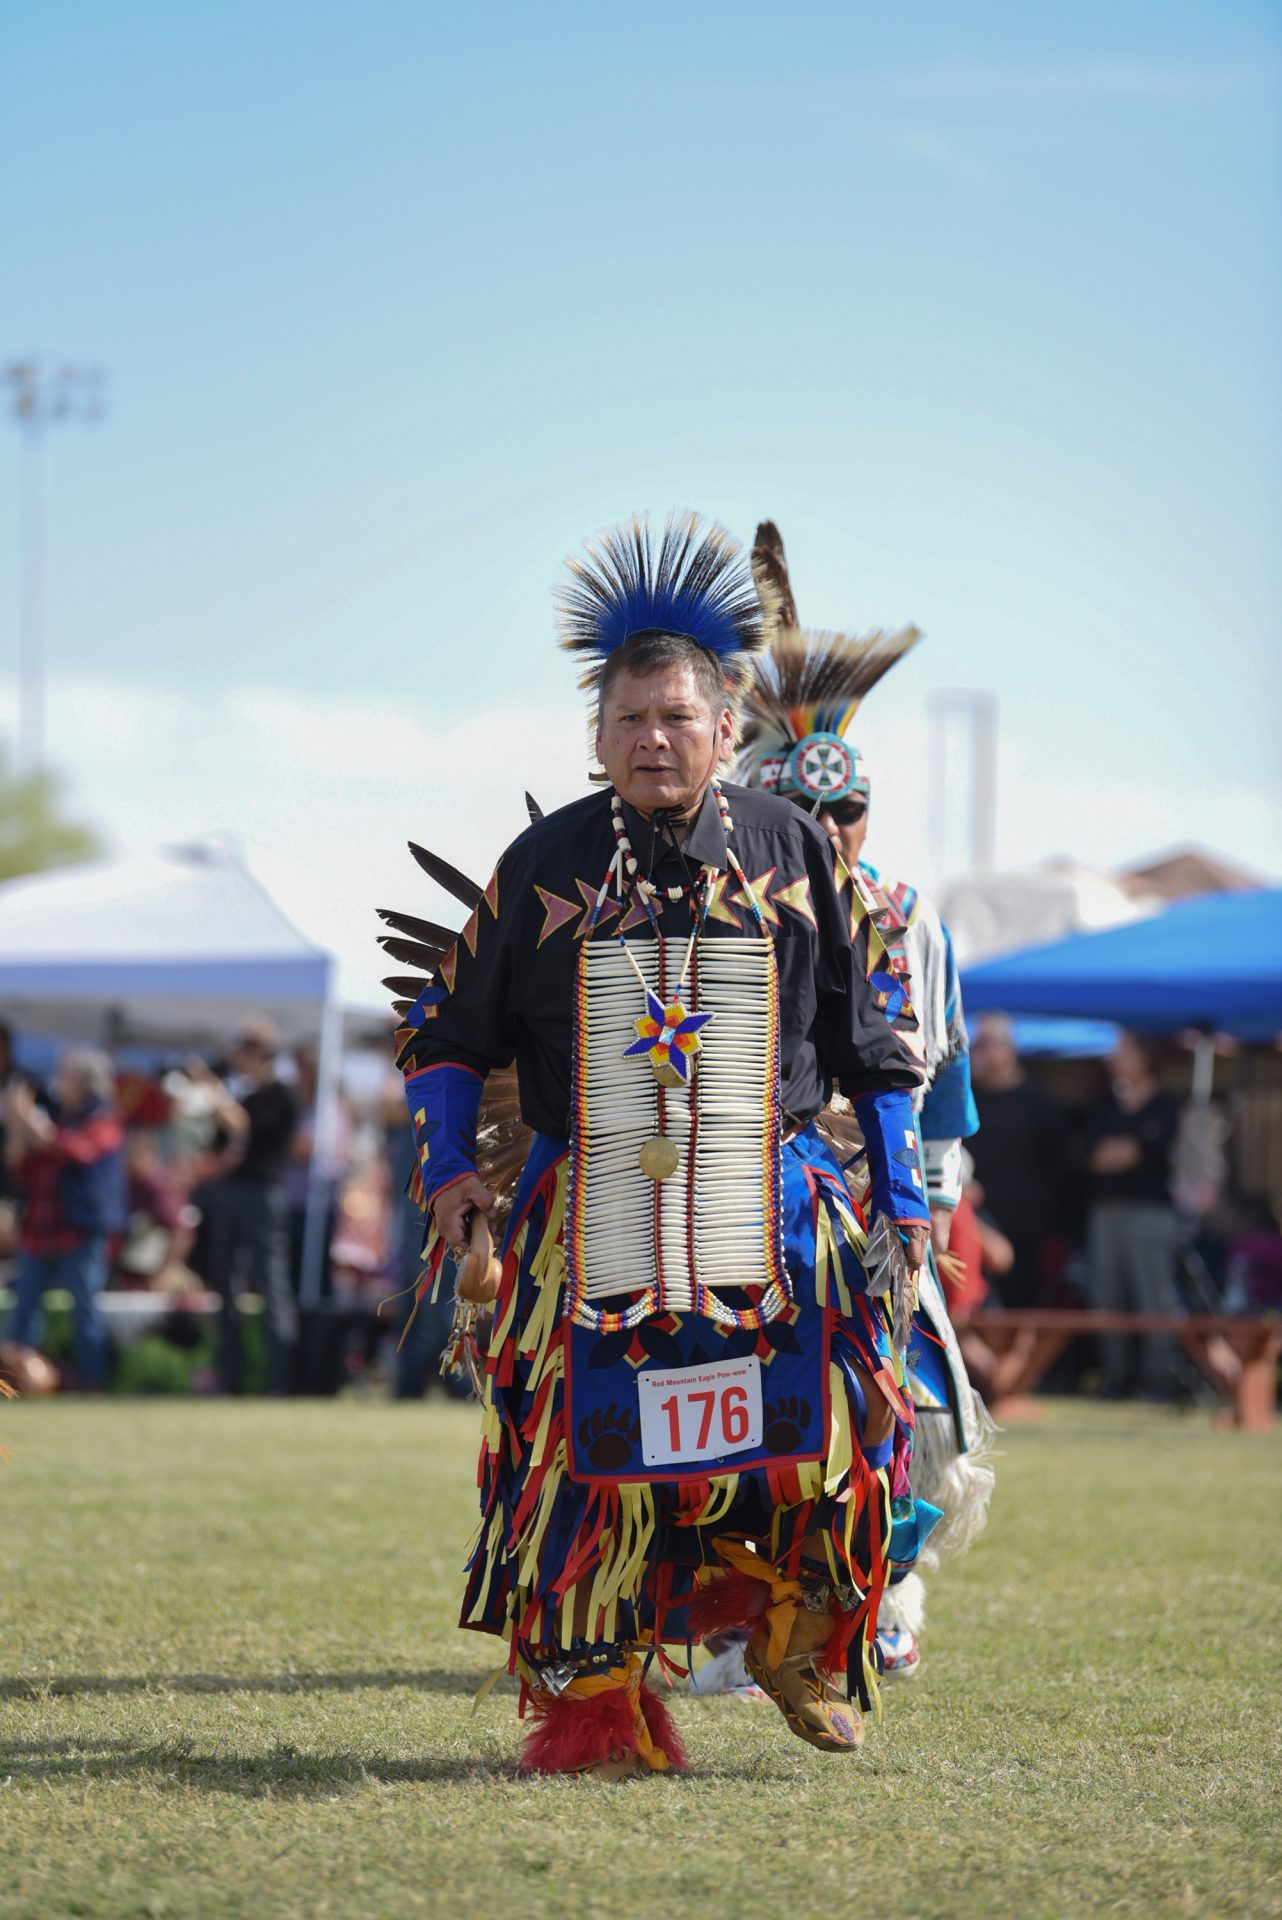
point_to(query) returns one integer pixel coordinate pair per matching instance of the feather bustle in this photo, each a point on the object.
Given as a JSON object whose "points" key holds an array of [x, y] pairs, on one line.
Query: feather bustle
{"points": [[447, 876], [411, 952], [429, 931]]}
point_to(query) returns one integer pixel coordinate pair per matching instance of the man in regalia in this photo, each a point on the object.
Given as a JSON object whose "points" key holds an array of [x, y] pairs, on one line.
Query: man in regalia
{"points": [[798, 713], [694, 1403]]}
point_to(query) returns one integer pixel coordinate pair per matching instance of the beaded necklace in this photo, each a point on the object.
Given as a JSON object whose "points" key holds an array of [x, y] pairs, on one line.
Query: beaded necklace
{"points": [[668, 1033], [719, 1224], [625, 869]]}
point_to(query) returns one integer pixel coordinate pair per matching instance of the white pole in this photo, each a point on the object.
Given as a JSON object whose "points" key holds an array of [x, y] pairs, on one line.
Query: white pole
{"points": [[977, 711], [984, 774], [328, 1054], [31, 651], [38, 398], [1203, 1069]]}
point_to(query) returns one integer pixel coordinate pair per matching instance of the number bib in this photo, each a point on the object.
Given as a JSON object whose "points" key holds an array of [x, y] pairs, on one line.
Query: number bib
{"points": [[700, 1414], [679, 1398]]}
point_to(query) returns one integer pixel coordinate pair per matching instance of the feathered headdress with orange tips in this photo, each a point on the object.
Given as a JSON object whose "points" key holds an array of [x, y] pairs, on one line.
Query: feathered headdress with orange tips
{"points": [[805, 692]]}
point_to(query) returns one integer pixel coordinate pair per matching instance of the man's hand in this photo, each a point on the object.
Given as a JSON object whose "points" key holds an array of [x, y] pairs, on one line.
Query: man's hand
{"points": [[916, 1237], [24, 1117], [19, 1105], [227, 1111], [1116, 1153], [451, 1208], [941, 1229]]}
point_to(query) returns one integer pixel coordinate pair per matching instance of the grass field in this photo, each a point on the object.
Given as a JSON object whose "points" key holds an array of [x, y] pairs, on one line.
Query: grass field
{"points": [[232, 1686]]}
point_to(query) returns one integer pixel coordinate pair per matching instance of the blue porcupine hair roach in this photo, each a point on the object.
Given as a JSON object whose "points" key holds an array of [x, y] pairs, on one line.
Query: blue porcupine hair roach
{"points": [[695, 582]]}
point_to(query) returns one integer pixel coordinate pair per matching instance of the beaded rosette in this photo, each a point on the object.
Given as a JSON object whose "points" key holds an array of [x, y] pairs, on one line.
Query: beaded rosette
{"points": [[648, 1246]]}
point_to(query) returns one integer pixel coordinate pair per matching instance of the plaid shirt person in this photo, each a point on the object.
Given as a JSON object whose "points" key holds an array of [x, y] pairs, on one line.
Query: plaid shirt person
{"points": [[81, 1143]]}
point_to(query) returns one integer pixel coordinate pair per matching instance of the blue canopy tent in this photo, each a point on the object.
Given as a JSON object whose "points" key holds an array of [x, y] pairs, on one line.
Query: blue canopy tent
{"points": [[1041, 1033], [1214, 962]]}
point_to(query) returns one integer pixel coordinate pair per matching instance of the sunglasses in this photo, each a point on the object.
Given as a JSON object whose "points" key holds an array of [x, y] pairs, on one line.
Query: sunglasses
{"points": [[842, 813]]}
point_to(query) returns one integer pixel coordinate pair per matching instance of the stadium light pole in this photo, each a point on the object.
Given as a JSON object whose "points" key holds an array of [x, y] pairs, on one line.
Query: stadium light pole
{"points": [[977, 710], [39, 398]]}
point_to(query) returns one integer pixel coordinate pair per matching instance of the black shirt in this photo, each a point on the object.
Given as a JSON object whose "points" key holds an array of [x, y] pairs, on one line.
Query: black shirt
{"points": [[273, 1116], [1154, 1127], [1018, 1154], [510, 978]]}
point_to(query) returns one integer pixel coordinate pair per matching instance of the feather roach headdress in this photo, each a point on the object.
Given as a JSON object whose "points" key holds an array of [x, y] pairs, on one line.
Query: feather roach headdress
{"points": [[805, 692], [694, 583]]}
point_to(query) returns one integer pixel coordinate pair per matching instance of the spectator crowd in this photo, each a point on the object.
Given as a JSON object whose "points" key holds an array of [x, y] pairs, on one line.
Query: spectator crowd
{"points": [[1101, 1201], [195, 1183]]}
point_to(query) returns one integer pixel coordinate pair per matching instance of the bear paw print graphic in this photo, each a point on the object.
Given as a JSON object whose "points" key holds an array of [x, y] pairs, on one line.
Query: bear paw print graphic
{"points": [[785, 1422], [609, 1437]]}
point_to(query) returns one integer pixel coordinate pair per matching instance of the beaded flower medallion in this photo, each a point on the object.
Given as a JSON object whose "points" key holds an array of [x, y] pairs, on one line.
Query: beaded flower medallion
{"points": [[669, 1036]]}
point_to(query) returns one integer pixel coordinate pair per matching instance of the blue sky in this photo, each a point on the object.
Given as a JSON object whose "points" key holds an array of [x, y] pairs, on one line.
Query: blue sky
{"points": [[399, 302]]}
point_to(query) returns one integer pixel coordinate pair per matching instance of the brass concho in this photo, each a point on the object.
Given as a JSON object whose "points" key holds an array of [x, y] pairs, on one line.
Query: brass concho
{"points": [[658, 1158]]}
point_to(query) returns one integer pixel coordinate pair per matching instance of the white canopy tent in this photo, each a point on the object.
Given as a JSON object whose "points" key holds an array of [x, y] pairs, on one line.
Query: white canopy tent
{"points": [[172, 947], [989, 914], [176, 948]]}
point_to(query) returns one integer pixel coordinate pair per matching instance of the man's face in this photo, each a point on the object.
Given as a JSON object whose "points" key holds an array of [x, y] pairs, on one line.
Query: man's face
{"points": [[249, 1057], [1128, 1062], [69, 1090], [659, 740], [994, 1059], [140, 1151], [846, 825]]}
